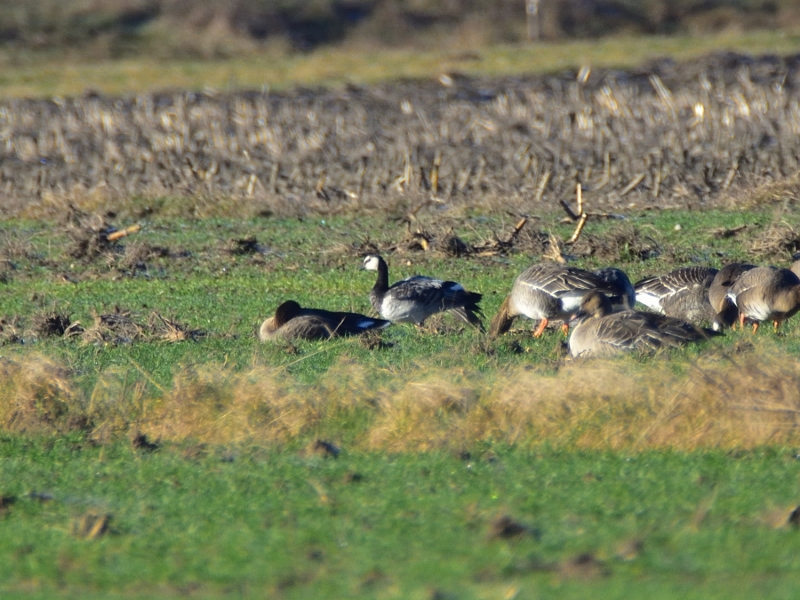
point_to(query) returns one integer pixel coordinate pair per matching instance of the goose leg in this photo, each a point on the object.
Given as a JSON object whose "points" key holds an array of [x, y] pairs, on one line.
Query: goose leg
{"points": [[565, 329], [540, 329], [776, 324], [755, 326], [741, 321]]}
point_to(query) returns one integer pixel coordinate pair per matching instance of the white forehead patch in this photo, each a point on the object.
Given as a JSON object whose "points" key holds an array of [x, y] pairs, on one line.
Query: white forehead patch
{"points": [[371, 262]]}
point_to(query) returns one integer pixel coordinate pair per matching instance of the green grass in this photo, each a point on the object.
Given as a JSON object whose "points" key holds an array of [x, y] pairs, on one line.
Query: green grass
{"points": [[252, 523], [38, 75], [316, 263], [276, 520]]}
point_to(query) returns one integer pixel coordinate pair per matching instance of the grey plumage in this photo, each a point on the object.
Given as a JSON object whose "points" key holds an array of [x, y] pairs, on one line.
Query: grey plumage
{"points": [[415, 299], [292, 322], [601, 332], [766, 294], [684, 294], [546, 292]]}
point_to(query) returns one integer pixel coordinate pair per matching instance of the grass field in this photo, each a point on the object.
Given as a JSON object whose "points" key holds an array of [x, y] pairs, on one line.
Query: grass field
{"points": [[50, 75], [500, 523], [150, 446]]}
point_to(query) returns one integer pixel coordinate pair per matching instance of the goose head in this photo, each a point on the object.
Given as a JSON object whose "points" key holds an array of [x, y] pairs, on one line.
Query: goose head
{"points": [[594, 304], [371, 262], [286, 312]]}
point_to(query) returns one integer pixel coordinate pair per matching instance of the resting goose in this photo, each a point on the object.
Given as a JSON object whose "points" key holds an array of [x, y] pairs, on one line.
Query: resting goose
{"points": [[684, 294], [766, 294], [291, 322], [601, 332], [415, 299], [553, 292]]}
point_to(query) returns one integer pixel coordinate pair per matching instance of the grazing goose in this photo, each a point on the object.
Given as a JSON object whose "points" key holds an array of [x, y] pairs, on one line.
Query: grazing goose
{"points": [[550, 292], [415, 299], [601, 332], [623, 295], [766, 294], [291, 322], [684, 294], [723, 280]]}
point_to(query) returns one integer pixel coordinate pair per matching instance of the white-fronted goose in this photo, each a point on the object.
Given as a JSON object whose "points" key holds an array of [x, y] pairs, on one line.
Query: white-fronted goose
{"points": [[684, 294], [291, 322], [548, 292], [723, 280], [415, 299], [601, 332], [766, 294]]}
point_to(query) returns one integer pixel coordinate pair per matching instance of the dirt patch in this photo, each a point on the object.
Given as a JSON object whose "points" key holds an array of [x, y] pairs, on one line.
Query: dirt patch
{"points": [[117, 327], [52, 324], [778, 240], [622, 243]]}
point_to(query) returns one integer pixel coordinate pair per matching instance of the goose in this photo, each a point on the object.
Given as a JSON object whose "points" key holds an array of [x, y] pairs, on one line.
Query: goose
{"points": [[624, 294], [766, 294], [415, 299], [723, 280], [291, 322], [549, 292], [684, 294], [601, 332]]}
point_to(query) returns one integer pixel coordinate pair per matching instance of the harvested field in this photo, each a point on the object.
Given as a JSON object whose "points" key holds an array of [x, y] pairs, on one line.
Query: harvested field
{"points": [[667, 135]]}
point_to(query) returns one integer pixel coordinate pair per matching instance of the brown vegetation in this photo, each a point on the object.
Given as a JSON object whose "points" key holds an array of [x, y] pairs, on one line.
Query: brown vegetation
{"points": [[667, 136], [719, 401], [208, 28]]}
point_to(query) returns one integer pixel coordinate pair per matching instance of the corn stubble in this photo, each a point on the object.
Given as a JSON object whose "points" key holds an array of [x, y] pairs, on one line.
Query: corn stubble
{"points": [[669, 136], [714, 402]]}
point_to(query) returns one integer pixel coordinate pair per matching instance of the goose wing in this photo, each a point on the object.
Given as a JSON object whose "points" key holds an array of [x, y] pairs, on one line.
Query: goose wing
{"points": [[631, 330], [423, 289]]}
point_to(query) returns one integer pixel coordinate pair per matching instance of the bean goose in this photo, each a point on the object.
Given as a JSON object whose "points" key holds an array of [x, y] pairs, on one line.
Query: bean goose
{"points": [[766, 294], [292, 322], [601, 332], [684, 294], [415, 299], [553, 292]]}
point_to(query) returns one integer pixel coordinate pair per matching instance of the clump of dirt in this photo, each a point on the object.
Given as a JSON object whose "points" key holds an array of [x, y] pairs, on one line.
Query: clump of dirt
{"points": [[137, 256], [246, 246], [11, 331], [52, 324], [118, 327], [777, 240], [92, 235], [171, 330], [506, 527], [623, 243]]}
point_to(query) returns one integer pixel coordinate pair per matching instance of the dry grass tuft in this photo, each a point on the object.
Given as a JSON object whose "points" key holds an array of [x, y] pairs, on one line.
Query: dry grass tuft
{"points": [[39, 395], [118, 327], [173, 331], [778, 240], [719, 401]]}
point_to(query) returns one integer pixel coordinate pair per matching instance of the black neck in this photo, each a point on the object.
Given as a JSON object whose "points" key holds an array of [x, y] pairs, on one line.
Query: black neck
{"points": [[382, 283]]}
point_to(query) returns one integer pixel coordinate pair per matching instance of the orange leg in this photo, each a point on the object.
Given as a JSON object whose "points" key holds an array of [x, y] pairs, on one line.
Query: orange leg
{"points": [[565, 328], [540, 329], [776, 324], [741, 320], [755, 326]]}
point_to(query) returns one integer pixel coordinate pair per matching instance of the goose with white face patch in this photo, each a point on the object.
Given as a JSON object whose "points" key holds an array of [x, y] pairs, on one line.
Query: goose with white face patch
{"points": [[292, 322], [415, 299]]}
